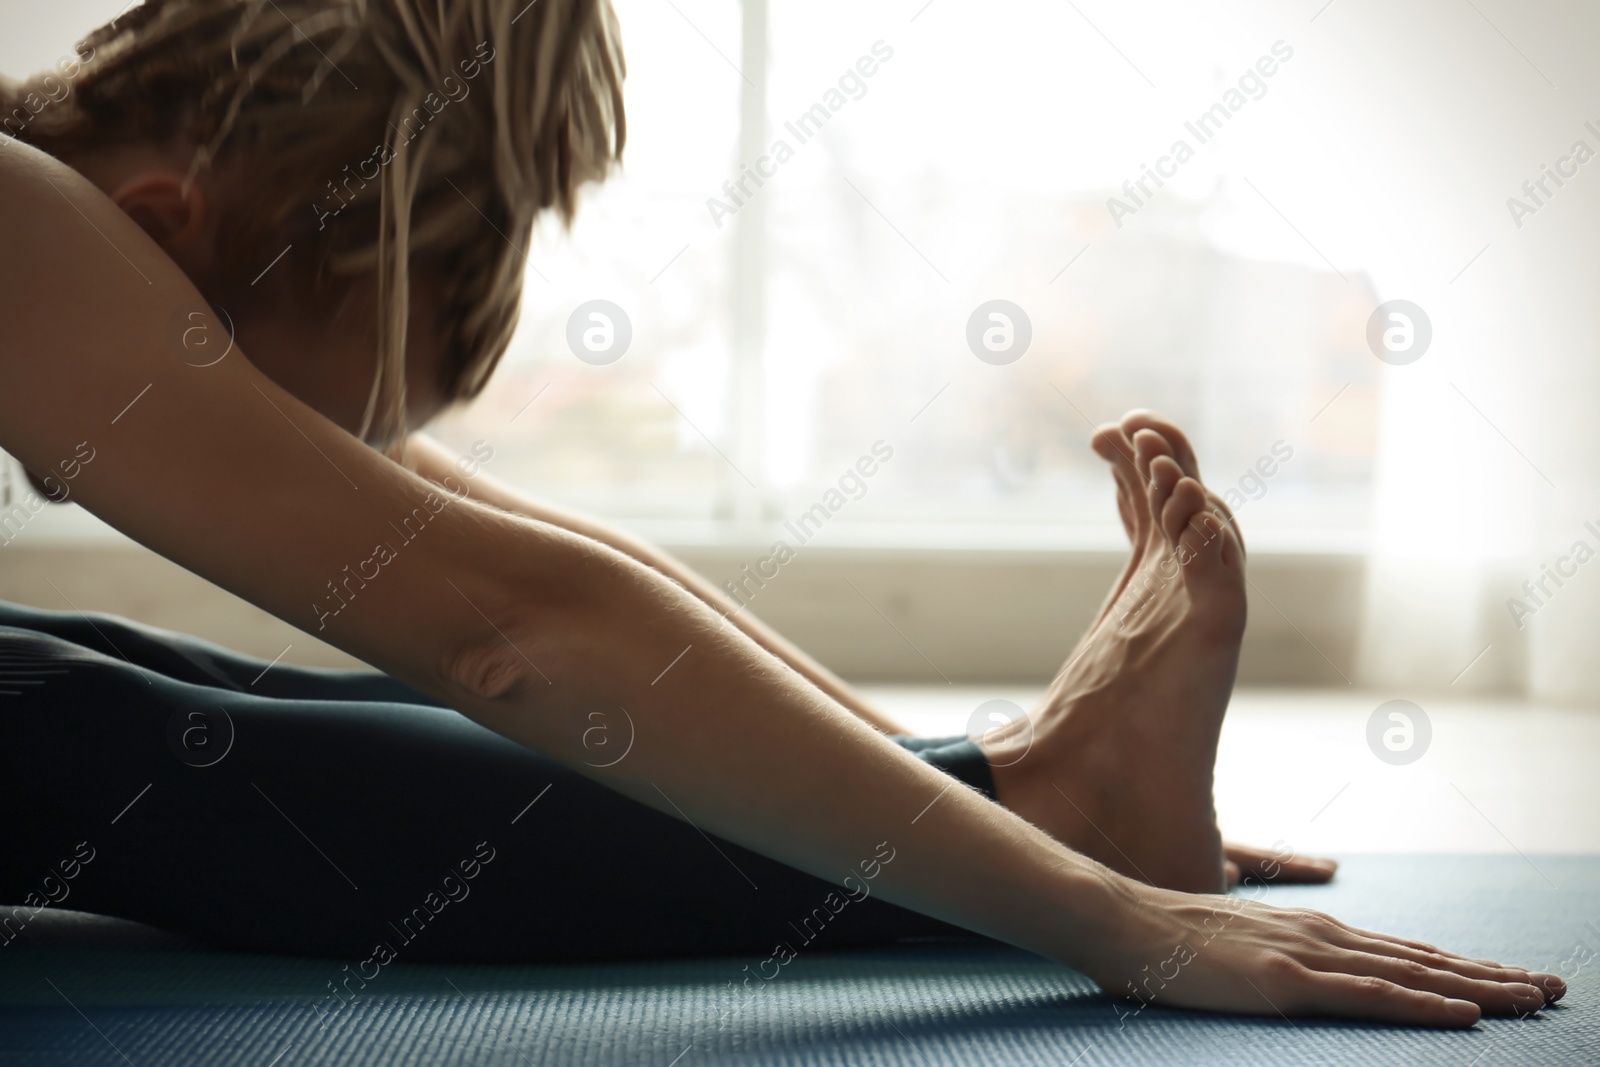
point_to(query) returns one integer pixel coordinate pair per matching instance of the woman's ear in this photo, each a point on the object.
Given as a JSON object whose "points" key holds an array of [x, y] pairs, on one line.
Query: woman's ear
{"points": [[175, 218]]}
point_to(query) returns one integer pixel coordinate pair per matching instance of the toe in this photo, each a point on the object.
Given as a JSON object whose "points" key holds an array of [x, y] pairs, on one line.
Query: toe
{"points": [[1164, 476], [1182, 451], [1147, 445], [1111, 445], [1154, 435], [1202, 537], [1185, 506]]}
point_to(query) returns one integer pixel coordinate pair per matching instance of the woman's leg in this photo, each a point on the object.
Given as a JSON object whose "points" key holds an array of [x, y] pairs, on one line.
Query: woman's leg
{"points": [[191, 659], [336, 826]]}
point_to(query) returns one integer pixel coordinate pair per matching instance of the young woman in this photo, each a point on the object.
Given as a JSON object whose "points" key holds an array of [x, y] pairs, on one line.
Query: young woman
{"points": [[247, 247]]}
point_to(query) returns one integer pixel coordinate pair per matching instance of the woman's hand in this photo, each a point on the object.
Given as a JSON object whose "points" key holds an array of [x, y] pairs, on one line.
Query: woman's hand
{"points": [[1238, 955], [1247, 861]]}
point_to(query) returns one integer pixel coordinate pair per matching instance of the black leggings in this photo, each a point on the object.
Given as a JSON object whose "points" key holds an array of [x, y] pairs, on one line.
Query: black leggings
{"points": [[155, 777]]}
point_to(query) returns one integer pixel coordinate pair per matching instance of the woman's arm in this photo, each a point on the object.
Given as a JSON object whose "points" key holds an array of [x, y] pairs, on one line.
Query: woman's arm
{"points": [[434, 462], [520, 625], [529, 629]]}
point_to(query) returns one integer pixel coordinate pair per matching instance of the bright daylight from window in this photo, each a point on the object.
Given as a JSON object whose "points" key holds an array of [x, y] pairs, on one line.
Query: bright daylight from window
{"points": [[784, 325]]}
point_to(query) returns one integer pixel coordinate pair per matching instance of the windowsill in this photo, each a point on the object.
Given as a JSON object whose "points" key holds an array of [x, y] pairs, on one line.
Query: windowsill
{"points": [[968, 540], [61, 526], [889, 602]]}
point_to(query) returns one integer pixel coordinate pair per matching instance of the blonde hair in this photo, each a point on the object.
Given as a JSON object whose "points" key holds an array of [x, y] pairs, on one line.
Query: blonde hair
{"points": [[314, 94]]}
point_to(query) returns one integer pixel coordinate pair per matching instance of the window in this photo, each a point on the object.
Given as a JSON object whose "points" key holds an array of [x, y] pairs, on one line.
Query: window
{"points": [[918, 163], [790, 308]]}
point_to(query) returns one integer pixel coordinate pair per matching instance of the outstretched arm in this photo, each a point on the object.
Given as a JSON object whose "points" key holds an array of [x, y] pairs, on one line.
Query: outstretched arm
{"points": [[527, 629], [433, 461], [518, 624]]}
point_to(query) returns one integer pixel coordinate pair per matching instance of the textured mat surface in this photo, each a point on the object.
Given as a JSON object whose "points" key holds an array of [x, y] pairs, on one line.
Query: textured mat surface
{"points": [[85, 995]]}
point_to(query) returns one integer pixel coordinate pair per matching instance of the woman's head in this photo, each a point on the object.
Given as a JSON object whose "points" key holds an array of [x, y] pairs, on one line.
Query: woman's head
{"points": [[400, 149]]}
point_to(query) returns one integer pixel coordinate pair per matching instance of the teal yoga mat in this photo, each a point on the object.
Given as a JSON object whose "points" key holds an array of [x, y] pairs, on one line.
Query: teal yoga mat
{"points": [[80, 993]]}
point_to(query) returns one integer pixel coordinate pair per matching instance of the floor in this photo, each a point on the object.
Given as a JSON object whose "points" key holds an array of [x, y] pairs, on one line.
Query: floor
{"points": [[1295, 766], [87, 1002]]}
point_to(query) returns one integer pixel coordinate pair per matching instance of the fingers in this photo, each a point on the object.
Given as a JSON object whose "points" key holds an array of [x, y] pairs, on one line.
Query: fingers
{"points": [[1312, 870], [1495, 997], [1551, 987], [1269, 866], [1232, 871], [1554, 988], [1369, 997], [1408, 942], [1298, 962], [1476, 969], [1500, 989]]}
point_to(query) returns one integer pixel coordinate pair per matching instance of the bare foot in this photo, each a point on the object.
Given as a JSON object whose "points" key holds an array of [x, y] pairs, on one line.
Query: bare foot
{"points": [[1121, 751], [1242, 861]]}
